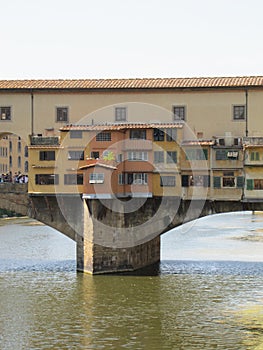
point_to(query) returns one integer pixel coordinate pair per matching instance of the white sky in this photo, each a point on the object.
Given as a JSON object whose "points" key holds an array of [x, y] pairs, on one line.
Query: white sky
{"points": [[62, 39]]}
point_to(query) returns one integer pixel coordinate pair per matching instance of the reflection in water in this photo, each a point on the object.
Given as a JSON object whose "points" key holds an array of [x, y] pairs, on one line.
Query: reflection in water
{"points": [[197, 303]]}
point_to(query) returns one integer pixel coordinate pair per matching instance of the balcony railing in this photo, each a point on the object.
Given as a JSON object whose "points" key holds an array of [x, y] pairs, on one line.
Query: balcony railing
{"points": [[44, 140]]}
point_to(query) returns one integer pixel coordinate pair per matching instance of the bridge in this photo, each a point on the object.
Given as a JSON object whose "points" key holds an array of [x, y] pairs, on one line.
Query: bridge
{"points": [[112, 235]]}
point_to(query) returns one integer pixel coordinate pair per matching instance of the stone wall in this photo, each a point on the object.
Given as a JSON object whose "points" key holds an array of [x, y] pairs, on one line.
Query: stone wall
{"points": [[14, 198]]}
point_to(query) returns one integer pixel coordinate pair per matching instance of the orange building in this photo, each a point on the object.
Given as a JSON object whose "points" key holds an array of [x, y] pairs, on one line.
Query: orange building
{"points": [[104, 161]]}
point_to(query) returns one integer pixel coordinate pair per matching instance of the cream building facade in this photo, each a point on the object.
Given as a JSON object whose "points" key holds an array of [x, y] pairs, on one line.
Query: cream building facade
{"points": [[209, 107]]}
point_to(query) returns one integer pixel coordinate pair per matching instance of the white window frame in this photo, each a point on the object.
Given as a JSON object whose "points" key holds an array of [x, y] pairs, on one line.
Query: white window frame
{"points": [[96, 178], [121, 114], [177, 117], [137, 156]]}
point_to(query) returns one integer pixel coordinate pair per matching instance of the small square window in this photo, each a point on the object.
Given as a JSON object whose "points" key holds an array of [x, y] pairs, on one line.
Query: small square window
{"points": [[120, 114], [138, 134], [179, 112], [75, 134], [239, 112], [62, 114], [5, 113], [103, 136]]}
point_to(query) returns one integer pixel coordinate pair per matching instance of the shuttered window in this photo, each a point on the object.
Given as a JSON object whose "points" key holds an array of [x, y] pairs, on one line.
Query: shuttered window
{"points": [[250, 184], [217, 181], [240, 181]]}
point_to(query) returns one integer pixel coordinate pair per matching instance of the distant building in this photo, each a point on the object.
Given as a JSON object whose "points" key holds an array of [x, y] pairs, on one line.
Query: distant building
{"points": [[13, 155]]}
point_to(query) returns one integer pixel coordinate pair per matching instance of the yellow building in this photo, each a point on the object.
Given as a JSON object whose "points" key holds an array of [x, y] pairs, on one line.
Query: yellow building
{"points": [[253, 167], [227, 168], [195, 168], [13, 155], [209, 106]]}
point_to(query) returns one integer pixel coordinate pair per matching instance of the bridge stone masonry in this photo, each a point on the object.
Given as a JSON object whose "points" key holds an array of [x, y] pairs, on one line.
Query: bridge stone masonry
{"points": [[113, 236]]}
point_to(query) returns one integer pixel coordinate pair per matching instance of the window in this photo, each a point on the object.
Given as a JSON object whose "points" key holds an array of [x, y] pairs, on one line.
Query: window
{"points": [[158, 157], [73, 179], [10, 161], [196, 154], [167, 181], [75, 134], [221, 155], [103, 136], [95, 155], [138, 134], [10, 146], [62, 114], [226, 155], [26, 151], [137, 155], [19, 162], [239, 112], [137, 179], [47, 155], [158, 135], [120, 114], [119, 157], [171, 157], [26, 166], [254, 156], [96, 178], [5, 113], [258, 184], [229, 179], [171, 134], [19, 146], [121, 179], [46, 179], [75, 155], [196, 180], [179, 112]]}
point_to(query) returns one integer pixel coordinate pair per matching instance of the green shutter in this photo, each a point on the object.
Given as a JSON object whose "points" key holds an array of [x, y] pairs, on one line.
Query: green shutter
{"points": [[217, 181], [185, 181], [206, 181], [205, 154], [257, 155], [250, 184], [240, 181]]}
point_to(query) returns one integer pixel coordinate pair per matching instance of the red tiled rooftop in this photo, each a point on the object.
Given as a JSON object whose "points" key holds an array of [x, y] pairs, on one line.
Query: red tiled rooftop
{"points": [[136, 83], [104, 127]]}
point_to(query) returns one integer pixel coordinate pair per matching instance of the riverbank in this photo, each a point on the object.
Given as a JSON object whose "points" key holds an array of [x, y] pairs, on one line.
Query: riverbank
{"points": [[19, 220]]}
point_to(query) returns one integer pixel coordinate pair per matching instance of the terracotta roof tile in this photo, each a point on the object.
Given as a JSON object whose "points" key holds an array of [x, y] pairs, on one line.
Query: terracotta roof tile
{"points": [[148, 83], [104, 127]]}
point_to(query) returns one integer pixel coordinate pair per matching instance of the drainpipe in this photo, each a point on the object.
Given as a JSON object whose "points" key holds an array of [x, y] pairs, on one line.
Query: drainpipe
{"points": [[32, 113], [246, 111]]}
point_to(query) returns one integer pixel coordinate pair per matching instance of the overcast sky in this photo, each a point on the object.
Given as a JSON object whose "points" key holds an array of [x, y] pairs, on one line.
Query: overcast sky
{"points": [[63, 39]]}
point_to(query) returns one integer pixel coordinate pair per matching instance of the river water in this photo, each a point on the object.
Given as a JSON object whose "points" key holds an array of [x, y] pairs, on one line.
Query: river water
{"points": [[208, 295]]}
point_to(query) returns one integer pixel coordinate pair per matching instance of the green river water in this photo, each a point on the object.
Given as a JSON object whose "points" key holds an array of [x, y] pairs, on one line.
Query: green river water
{"points": [[208, 294]]}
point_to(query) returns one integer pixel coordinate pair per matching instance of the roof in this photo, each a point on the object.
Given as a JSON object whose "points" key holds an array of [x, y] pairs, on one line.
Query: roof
{"points": [[97, 163], [123, 126], [135, 83], [198, 143]]}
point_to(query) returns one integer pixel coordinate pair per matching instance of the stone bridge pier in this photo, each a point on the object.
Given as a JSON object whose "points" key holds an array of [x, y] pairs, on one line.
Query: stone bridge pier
{"points": [[117, 236], [113, 235]]}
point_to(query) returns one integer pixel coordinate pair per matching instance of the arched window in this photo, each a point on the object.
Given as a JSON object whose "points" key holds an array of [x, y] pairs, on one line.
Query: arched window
{"points": [[26, 166]]}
